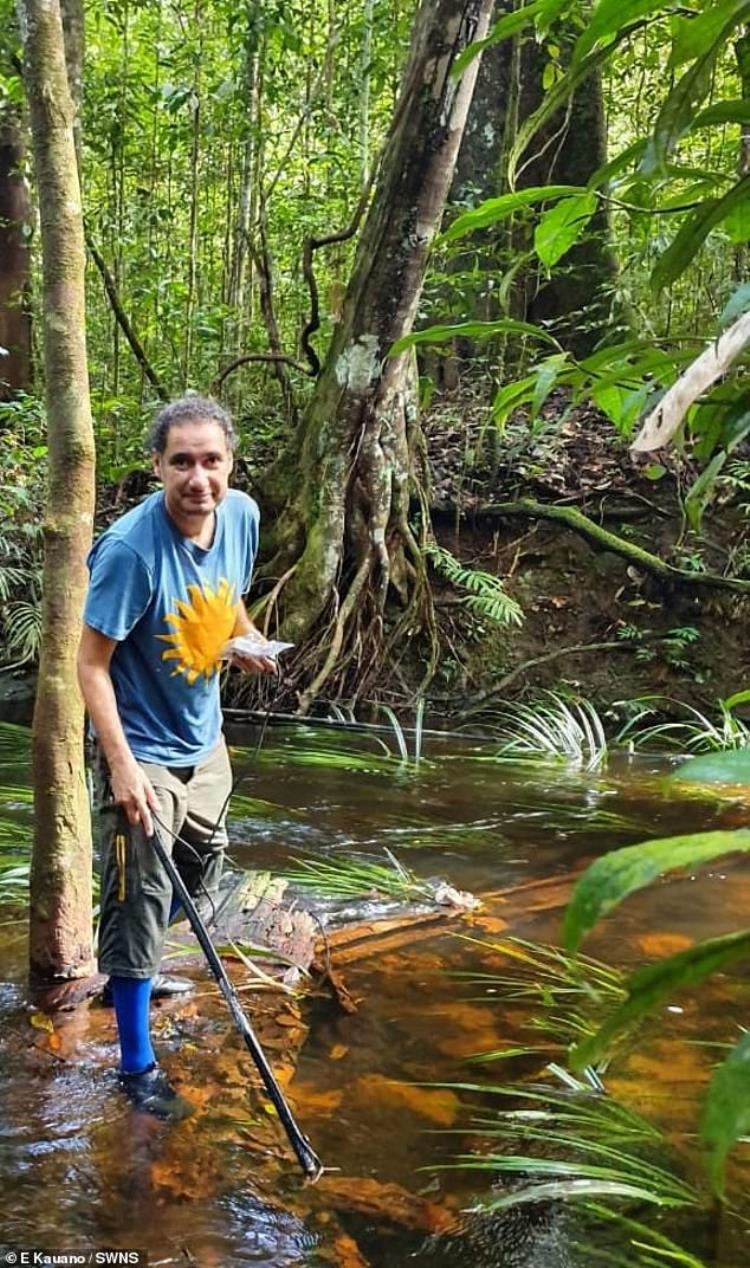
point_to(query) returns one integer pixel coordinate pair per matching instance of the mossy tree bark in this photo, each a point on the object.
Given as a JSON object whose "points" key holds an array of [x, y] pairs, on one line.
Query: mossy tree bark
{"points": [[344, 528], [60, 922], [15, 256], [567, 151]]}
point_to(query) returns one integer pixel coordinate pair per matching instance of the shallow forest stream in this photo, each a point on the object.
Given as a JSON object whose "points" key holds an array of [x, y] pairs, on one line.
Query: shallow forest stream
{"points": [[79, 1169]]}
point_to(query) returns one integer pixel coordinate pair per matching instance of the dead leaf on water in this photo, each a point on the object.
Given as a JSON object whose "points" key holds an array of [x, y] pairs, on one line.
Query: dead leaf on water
{"points": [[338, 1051], [40, 1021]]}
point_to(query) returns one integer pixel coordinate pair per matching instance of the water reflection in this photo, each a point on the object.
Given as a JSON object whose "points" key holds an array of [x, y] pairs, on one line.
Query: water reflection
{"points": [[79, 1168]]}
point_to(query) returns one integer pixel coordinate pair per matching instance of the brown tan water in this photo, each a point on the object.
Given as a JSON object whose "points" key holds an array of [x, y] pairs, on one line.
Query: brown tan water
{"points": [[80, 1171]]}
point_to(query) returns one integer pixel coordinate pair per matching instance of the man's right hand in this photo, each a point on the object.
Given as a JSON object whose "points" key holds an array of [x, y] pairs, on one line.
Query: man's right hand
{"points": [[132, 790]]}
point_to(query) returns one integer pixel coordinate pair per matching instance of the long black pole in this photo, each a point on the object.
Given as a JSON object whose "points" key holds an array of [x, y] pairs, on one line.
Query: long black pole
{"points": [[308, 1159]]}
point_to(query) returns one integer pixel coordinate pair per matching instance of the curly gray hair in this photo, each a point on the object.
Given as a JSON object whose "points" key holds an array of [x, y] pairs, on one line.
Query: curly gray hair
{"points": [[190, 408]]}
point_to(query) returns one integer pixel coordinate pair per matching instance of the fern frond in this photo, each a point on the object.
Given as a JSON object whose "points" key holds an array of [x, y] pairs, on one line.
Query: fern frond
{"points": [[486, 596]]}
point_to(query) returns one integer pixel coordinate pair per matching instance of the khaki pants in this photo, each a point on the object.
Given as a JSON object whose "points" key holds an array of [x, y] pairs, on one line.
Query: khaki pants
{"points": [[136, 893]]}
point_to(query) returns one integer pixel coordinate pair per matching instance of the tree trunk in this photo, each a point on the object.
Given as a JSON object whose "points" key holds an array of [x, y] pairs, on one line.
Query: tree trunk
{"points": [[60, 930], [577, 297], [345, 523], [15, 258], [567, 151]]}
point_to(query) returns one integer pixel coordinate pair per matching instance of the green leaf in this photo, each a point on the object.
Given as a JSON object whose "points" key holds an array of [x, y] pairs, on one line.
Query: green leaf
{"points": [[737, 304], [737, 223], [678, 110], [510, 396], [508, 25], [739, 697], [548, 373], [562, 226], [655, 471], [736, 110], [608, 18], [495, 209], [730, 767], [726, 1117], [700, 492], [623, 872], [472, 330], [692, 35], [648, 987], [632, 154], [695, 230]]}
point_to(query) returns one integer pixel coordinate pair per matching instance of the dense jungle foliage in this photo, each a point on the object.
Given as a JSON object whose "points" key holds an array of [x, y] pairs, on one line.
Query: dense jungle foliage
{"points": [[220, 148]]}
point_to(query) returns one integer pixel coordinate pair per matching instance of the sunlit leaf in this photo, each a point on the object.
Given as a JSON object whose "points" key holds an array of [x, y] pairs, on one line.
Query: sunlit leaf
{"points": [[694, 232], [472, 330], [692, 35], [731, 767], [726, 1117], [649, 986], [561, 227], [616, 875], [736, 305], [733, 111], [608, 18], [494, 210]]}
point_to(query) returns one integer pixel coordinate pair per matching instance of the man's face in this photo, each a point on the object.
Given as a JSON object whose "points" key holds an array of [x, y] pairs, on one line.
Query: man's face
{"points": [[194, 469]]}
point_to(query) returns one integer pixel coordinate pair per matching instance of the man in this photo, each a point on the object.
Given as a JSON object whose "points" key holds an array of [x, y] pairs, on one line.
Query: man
{"points": [[165, 597]]}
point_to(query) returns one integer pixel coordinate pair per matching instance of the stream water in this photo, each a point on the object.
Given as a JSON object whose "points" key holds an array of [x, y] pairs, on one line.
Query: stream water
{"points": [[80, 1171]]}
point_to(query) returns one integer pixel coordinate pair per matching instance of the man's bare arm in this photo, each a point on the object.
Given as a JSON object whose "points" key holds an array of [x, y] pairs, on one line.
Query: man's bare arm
{"points": [[130, 787]]}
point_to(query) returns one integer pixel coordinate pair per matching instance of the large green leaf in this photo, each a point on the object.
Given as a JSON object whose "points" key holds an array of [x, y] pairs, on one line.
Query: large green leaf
{"points": [[730, 767], [678, 110], [495, 209], [726, 1118], [561, 227], [692, 35], [510, 24], [472, 330], [623, 872], [701, 491], [736, 110], [737, 223], [608, 18], [632, 154], [737, 304], [648, 987], [695, 230]]}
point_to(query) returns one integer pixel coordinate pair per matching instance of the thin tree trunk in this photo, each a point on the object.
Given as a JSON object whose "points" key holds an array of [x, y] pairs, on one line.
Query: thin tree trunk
{"points": [[60, 919], [245, 222], [350, 502], [15, 258], [364, 101], [192, 270]]}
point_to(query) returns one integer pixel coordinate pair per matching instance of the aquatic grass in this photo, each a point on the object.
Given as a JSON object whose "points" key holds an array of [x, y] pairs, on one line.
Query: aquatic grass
{"points": [[567, 993], [696, 733], [603, 1144], [243, 807], [356, 878], [330, 758], [554, 727]]}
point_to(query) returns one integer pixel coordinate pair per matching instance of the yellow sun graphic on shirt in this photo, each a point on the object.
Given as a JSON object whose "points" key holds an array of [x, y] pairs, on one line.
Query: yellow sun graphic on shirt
{"points": [[201, 626]]}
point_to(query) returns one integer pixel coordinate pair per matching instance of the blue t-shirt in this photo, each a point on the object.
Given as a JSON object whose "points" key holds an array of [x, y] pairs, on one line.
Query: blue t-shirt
{"points": [[171, 605]]}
